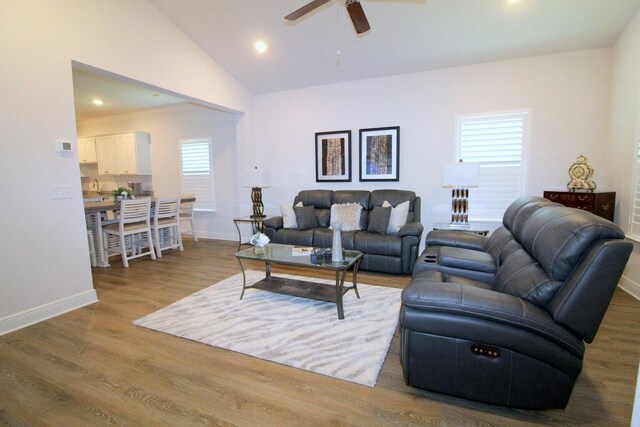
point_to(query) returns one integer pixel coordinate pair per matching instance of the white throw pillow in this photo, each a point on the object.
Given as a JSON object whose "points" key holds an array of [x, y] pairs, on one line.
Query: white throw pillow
{"points": [[398, 216], [347, 215], [289, 216]]}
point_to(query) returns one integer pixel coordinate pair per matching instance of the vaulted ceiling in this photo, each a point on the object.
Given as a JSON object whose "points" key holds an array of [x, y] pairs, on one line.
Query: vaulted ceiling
{"points": [[406, 36]]}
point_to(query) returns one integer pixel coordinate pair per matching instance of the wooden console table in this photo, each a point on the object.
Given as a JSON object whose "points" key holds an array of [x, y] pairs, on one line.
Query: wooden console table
{"points": [[601, 204]]}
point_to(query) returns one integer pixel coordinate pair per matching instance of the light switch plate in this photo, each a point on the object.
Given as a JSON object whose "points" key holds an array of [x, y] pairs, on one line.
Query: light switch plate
{"points": [[62, 192]]}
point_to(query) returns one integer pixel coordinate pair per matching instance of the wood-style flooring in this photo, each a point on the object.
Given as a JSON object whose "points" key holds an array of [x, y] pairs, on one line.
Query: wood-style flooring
{"points": [[92, 366]]}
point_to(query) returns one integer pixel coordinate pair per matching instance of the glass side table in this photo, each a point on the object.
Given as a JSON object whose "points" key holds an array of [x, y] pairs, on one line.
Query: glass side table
{"points": [[257, 224], [475, 228]]}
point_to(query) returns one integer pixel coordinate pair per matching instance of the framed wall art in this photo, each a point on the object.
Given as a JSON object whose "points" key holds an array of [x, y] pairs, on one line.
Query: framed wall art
{"points": [[380, 154], [333, 156]]}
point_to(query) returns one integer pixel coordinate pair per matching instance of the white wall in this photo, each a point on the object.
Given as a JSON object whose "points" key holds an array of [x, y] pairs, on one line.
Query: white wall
{"points": [[44, 267], [568, 95], [167, 126], [623, 119]]}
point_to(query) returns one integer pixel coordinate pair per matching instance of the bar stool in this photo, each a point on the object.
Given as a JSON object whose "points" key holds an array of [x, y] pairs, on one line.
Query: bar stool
{"points": [[186, 215], [128, 234], [166, 225]]}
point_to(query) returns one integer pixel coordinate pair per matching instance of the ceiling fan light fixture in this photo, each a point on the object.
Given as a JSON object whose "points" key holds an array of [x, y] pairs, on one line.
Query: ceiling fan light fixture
{"points": [[358, 18]]}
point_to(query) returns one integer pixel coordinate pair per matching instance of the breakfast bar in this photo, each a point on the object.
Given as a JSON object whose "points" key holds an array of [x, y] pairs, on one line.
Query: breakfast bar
{"points": [[95, 216]]}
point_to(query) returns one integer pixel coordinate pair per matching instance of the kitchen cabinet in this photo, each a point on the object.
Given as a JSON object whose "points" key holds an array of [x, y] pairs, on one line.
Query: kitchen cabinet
{"points": [[602, 204], [87, 150], [124, 154]]}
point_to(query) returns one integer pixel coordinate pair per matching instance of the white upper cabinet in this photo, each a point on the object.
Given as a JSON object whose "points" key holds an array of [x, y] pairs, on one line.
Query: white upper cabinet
{"points": [[124, 154], [87, 150]]}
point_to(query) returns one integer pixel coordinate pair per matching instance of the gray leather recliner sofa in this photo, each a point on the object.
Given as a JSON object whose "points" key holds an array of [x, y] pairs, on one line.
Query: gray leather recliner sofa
{"points": [[504, 319], [387, 253]]}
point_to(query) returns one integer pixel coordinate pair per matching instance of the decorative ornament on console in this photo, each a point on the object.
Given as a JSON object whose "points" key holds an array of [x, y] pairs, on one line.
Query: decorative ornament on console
{"points": [[580, 174]]}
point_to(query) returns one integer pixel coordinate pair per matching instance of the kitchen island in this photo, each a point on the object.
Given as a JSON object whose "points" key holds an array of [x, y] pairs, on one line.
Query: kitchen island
{"points": [[95, 215]]}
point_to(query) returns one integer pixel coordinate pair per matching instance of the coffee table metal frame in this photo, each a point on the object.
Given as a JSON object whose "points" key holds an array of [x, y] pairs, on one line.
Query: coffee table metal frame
{"points": [[278, 254]]}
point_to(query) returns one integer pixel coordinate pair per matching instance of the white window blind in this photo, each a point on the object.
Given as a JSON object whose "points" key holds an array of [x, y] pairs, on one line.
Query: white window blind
{"points": [[197, 172], [497, 142], [634, 221]]}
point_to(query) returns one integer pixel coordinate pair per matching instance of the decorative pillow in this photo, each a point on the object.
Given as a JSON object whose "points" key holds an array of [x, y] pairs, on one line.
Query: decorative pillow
{"points": [[347, 215], [289, 216], [398, 216], [379, 219], [306, 217]]}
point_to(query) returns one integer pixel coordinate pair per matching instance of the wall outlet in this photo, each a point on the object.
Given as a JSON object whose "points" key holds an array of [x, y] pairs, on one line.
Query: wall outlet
{"points": [[62, 192]]}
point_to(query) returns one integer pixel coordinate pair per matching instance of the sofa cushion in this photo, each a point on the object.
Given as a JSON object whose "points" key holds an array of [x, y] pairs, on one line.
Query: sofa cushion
{"points": [[347, 215], [378, 244], [466, 259], [379, 220], [398, 216], [289, 216], [294, 237], [394, 198], [323, 238], [521, 275], [355, 196], [558, 237], [321, 199], [306, 217]]}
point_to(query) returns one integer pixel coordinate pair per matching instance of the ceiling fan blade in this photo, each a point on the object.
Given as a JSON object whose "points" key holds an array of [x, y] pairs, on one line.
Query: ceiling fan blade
{"points": [[305, 9], [356, 13]]}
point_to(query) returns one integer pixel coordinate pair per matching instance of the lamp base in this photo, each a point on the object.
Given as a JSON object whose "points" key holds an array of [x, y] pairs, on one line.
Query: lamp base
{"points": [[459, 208], [256, 199]]}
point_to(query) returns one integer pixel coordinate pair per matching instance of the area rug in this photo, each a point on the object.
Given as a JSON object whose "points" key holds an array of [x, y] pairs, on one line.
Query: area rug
{"points": [[293, 331]]}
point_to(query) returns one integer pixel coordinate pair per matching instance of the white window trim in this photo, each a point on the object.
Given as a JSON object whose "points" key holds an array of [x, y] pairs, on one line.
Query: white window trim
{"points": [[197, 208], [524, 159]]}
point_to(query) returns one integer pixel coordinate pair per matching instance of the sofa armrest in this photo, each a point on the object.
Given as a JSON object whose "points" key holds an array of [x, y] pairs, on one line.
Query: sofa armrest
{"points": [[274, 222], [411, 229], [473, 302], [456, 238]]}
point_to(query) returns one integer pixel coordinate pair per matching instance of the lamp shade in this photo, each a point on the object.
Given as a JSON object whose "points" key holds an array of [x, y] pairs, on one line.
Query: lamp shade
{"points": [[255, 177], [461, 175]]}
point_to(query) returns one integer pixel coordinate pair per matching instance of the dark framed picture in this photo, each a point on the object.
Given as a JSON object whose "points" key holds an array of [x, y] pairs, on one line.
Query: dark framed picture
{"points": [[333, 156], [380, 154]]}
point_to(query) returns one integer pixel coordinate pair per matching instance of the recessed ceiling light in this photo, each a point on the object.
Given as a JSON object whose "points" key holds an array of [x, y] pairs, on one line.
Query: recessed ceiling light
{"points": [[260, 46], [513, 1], [97, 102]]}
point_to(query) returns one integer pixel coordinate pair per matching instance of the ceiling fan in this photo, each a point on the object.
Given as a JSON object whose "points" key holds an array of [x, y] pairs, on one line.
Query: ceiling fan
{"points": [[356, 13]]}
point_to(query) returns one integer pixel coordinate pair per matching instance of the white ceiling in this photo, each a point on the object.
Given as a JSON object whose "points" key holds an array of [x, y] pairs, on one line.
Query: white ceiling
{"points": [[119, 96], [406, 36]]}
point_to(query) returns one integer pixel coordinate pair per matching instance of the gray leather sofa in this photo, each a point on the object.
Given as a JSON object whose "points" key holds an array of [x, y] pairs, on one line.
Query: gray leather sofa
{"points": [[387, 253], [504, 319]]}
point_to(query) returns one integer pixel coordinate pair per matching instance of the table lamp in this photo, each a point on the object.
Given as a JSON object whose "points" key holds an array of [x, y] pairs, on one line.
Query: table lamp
{"points": [[256, 179], [460, 176]]}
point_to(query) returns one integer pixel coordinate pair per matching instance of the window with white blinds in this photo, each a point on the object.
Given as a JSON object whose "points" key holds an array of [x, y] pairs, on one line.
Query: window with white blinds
{"points": [[197, 172], [634, 221], [497, 142]]}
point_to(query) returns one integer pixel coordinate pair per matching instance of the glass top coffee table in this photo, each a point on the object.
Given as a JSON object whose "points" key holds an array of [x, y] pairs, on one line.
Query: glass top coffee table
{"points": [[284, 255]]}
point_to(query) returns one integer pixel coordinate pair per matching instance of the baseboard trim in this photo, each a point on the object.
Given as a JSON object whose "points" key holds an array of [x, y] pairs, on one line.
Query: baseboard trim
{"points": [[34, 315], [629, 286]]}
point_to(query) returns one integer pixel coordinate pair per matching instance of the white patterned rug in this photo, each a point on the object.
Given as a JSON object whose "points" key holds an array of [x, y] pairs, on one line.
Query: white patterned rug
{"points": [[293, 331]]}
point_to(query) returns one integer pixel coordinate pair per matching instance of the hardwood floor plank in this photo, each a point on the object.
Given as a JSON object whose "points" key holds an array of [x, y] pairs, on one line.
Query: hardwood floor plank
{"points": [[92, 366]]}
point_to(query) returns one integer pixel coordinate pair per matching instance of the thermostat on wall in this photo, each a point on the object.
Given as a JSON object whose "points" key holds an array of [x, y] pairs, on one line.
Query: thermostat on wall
{"points": [[63, 146]]}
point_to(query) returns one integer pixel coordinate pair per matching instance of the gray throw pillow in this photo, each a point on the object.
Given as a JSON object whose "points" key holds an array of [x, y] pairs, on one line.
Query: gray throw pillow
{"points": [[379, 220], [305, 217]]}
